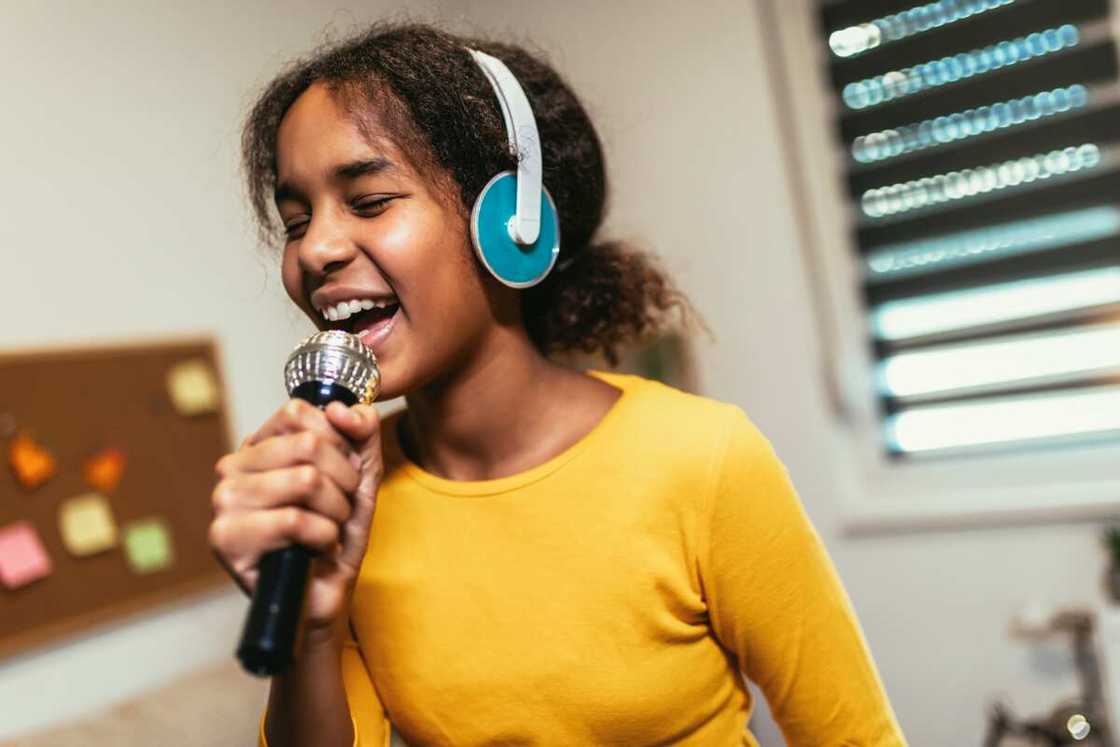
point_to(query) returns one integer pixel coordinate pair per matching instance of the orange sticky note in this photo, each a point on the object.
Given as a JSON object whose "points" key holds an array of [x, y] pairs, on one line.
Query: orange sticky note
{"points": [[31, 463], [86, 524], [23, 558], [104, 469]]}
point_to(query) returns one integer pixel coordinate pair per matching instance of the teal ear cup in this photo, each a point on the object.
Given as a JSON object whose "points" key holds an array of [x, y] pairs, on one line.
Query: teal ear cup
{"points": [[515, 265]]}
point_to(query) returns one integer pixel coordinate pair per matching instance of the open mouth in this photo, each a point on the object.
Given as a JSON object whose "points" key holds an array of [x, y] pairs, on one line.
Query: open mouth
{"points": [[371, 321]]}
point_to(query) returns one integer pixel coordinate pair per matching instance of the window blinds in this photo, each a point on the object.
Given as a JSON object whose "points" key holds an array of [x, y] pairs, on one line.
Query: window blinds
{"points": [[981, 146]]}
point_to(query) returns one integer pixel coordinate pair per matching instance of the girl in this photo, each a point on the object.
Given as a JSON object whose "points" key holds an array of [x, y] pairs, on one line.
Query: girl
{"points": [[557, 557]]}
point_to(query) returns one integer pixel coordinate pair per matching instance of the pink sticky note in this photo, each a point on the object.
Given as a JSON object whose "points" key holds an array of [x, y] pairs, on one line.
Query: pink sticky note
{"points": [[23, 558]]}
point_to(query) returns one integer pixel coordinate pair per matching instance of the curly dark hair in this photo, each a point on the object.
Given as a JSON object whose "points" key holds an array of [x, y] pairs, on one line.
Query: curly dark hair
{"points": [[420, 84]]}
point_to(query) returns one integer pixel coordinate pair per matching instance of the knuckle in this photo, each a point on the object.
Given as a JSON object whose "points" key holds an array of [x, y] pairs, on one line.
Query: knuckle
{"points": [[307, 479], [293, 410], [293, 521], [224, 465], [224, 496], [308, 444], [217, 535], [324, 534]]}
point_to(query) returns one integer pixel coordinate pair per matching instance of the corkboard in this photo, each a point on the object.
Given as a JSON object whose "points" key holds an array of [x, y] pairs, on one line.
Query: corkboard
{"points": [[76, 402]]}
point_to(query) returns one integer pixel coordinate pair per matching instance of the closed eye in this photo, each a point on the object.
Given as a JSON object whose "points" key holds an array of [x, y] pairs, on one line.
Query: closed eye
{"points": [[371, 206], [295, 228], [365, 208]]}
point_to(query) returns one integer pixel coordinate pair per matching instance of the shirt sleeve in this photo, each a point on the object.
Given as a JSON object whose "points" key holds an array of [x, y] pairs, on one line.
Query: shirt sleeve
{"points": [[778, 607], [371, 724]]}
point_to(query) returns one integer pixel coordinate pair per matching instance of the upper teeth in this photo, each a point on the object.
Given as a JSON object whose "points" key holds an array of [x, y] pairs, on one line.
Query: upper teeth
{"points": [[345, 309]]}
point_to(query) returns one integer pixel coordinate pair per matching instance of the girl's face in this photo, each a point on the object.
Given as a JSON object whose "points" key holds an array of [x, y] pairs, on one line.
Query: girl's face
{"points": [[372, 249]]}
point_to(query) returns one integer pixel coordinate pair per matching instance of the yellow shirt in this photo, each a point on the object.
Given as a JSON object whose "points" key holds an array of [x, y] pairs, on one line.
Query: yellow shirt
{"points": [[610, 596]]}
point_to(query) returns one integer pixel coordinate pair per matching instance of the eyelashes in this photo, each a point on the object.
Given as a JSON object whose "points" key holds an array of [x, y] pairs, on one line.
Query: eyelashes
{"points": [[364, 208], [372, 206]]}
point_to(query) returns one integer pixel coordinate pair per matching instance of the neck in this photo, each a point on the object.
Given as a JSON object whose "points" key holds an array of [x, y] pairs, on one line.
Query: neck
{"points": [[492, 416]]}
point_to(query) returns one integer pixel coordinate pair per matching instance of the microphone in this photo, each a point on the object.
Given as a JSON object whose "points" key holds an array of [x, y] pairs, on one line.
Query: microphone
{"points": [[326, 367]]}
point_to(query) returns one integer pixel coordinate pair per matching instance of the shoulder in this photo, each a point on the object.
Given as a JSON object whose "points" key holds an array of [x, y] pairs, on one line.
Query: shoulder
{"points": [[682, 416], [716, 461], [701, 430]]}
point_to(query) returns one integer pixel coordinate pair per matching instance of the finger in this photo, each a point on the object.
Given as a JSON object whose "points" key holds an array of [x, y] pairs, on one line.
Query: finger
{"points": [[242, 538], [302, 486], [295, 416], [289, 450], [359, 423], [356, 530], [249, 581]]}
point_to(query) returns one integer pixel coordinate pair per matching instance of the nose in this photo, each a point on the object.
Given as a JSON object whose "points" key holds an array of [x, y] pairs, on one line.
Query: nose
{"points": [[326, 246]]}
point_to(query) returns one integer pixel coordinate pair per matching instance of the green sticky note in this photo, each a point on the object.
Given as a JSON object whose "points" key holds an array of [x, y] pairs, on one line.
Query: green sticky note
{"points": [[147, 545]]}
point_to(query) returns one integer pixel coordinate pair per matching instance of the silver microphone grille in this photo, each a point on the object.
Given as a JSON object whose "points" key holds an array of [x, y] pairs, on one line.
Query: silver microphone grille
{"points": [[338, 357]]}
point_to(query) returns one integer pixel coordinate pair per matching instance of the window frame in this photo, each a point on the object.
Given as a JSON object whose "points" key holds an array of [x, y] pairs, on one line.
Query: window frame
{"points": [[878, 493]]}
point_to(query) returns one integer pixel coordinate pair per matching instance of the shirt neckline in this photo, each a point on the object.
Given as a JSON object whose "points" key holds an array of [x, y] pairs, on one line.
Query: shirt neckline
{"points": [[623, 382]]}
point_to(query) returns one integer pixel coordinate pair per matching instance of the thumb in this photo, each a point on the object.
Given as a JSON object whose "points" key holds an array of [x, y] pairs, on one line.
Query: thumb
{"points": [[359, 423], [363, 427]]}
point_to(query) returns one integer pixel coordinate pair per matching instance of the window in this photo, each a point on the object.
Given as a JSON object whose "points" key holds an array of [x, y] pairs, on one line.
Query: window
{"points": [[979, 143], [959, 219]]}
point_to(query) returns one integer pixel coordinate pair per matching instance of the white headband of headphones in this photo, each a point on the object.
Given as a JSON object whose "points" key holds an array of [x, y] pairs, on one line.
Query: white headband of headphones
{"points": [[521, 127]]}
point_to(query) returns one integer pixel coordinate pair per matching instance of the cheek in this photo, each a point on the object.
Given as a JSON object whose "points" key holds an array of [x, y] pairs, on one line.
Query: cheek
{"points": [[429, 258], [421, 236]]}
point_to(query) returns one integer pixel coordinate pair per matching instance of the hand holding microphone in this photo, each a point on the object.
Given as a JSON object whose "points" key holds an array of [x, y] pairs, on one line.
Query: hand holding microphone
{"points": [[294, 504]]}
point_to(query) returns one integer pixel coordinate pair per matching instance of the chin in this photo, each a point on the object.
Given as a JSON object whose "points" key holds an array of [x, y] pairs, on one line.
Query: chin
{"points": [[406, 373], [397, 379], [388, 393]]}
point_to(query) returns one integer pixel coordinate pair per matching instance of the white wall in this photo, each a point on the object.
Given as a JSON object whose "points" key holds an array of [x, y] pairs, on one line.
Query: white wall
{"points": [[123, 217], [682, 94]]}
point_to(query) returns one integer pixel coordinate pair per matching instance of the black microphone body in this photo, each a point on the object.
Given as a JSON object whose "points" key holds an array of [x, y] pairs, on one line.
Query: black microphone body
{"points": [[328, 367]]}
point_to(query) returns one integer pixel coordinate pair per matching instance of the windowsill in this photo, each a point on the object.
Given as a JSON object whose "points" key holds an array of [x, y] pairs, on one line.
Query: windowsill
{"points": [[982, 508], [975, 490]]}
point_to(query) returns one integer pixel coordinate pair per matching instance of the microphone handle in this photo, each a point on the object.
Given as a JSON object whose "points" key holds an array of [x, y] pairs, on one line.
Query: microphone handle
{"points": [[272, 625]]}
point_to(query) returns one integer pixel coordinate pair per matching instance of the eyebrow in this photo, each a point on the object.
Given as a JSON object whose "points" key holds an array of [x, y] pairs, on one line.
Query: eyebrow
{"points": [[347, 171]]}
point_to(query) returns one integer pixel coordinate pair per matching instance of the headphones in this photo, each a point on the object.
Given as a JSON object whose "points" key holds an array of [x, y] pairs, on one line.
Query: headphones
{"points": [[514, 225]]}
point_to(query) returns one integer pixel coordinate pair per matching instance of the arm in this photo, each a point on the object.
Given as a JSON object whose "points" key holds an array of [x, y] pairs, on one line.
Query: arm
{"points": [[307, 705], [777, 604], [327, 698]]}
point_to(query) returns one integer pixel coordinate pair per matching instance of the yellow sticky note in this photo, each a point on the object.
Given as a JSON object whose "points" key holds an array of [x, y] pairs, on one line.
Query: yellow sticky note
{"points": [[86, 524], [193, 387], [147, 545]]}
